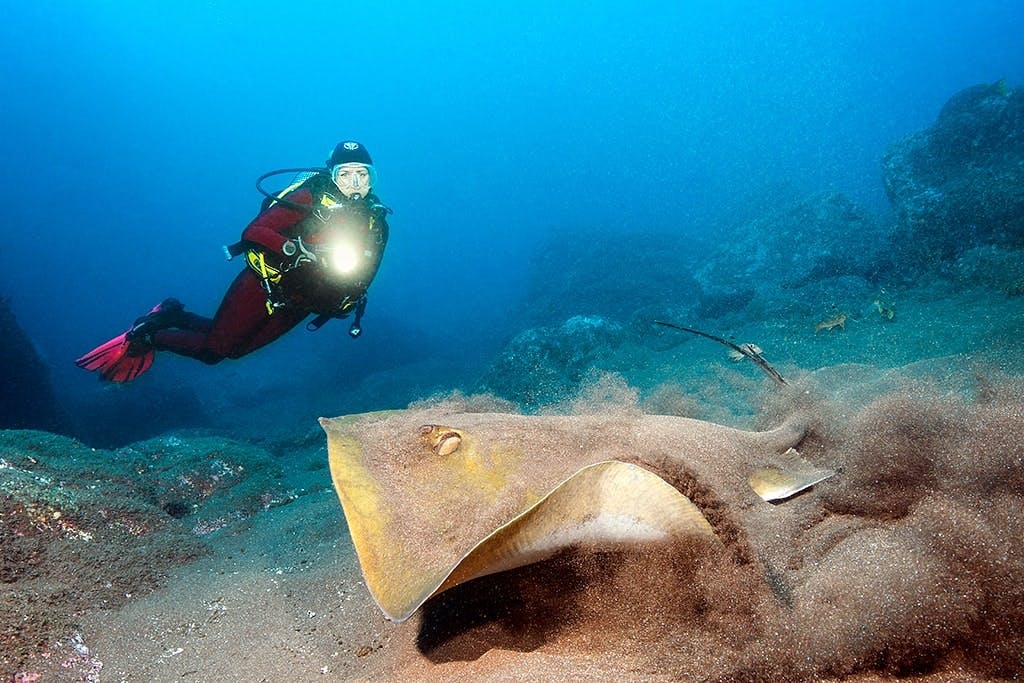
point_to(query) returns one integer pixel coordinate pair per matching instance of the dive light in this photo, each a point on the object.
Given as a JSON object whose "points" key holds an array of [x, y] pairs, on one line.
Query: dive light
{"points": [[343, 258]]}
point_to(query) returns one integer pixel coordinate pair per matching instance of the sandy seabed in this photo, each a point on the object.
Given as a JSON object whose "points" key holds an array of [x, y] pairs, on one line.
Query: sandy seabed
{"points": [[907, 564]]}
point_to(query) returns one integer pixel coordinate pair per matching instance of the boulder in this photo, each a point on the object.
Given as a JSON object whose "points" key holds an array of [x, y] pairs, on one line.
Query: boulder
{"points": [[544, 365], [960, 184], [824, 237], [611, 275], [991, 267], [28, 400]]}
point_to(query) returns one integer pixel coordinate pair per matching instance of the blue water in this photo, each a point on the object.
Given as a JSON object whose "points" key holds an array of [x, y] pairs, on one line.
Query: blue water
{"points": [[132, 135]]}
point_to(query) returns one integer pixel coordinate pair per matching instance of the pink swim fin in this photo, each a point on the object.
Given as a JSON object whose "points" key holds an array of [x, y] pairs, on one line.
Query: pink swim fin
{"points": [[119, 360], [122, 359]]}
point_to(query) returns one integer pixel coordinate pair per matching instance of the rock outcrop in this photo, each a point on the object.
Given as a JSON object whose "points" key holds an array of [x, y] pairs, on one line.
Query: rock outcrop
{"points": [[28, 400], [960, 184], [547, 364], [611, 275], [774, 259]]}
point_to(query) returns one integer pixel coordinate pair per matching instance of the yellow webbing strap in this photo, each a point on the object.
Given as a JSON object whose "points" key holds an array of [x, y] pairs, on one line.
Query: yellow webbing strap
{"points": [[270, 275], [258, 262], [288, 189]]}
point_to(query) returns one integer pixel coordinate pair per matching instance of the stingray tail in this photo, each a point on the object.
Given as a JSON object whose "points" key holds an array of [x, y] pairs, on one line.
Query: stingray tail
{"points": [[745, 349]]}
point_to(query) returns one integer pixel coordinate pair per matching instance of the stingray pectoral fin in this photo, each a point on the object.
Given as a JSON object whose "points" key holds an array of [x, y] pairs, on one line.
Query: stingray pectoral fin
{"points": [[610, 504], [388, 569], [787, 475], [607, 505]]}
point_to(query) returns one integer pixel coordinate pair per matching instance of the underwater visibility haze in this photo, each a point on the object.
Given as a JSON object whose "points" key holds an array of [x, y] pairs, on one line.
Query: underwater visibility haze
{"points": [[828, 194]]}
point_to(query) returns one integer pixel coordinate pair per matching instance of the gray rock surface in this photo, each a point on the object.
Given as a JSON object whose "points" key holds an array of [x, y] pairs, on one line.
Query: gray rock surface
{"points": [[610, 275], [960, 184], [547, 364], [822, 238], [28, 400]]}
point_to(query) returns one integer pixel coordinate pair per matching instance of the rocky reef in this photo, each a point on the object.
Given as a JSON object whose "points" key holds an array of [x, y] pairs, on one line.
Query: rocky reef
{"points": [[803, 273], [782, 257], [583, 272], [805, 262], [960, 184], [82, 528], [547, 364]]}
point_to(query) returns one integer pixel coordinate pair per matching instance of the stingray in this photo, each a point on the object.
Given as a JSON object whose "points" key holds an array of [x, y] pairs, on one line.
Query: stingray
{"points": [[434, 499]]}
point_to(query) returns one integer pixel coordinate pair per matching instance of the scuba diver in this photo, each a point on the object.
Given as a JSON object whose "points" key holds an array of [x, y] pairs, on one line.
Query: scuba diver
{"points": [[313, 249]]}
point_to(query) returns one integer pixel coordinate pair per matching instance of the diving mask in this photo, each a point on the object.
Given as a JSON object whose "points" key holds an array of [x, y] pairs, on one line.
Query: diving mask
{"points": [[353, 179]]}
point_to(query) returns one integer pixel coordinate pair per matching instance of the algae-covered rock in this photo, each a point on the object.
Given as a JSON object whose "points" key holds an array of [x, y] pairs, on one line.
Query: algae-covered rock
{"points": [[83, 528], [960, 184], [547, 364], [824, 237], [208, 482]]}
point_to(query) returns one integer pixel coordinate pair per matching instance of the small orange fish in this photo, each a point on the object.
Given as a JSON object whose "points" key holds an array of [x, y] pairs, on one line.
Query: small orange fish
{"points": [[838, 320]]}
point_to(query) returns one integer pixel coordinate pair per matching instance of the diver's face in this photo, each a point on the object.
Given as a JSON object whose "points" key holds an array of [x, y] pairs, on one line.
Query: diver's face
{"points": [[352, 179]]}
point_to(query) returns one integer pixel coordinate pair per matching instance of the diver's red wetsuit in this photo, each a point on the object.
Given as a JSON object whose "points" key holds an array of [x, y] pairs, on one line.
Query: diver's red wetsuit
{"points": [[339, 237], [242, 323]]}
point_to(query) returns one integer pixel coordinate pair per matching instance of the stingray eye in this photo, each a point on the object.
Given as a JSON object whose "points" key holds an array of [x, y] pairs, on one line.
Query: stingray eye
{"points": [[442, 440], [447, 443]]}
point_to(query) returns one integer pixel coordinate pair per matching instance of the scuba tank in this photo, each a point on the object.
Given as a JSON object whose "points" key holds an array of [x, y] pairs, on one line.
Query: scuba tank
{"points": [[269, 200]]}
